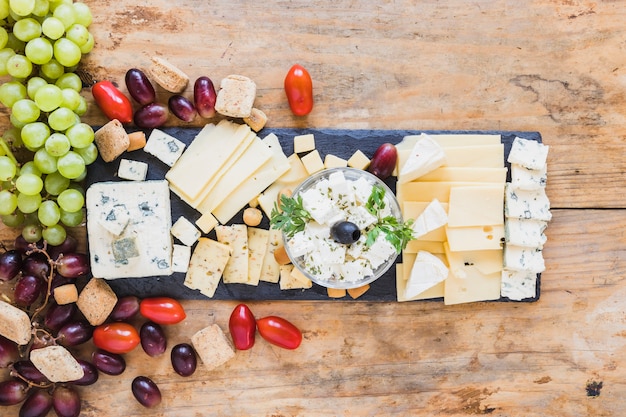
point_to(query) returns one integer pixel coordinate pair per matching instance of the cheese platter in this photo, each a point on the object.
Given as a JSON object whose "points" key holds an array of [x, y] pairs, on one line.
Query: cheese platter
{"points": [[331, 144]]}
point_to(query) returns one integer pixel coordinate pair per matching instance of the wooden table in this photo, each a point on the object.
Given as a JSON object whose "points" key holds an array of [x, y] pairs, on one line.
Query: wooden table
{"points": [[557, 67]]}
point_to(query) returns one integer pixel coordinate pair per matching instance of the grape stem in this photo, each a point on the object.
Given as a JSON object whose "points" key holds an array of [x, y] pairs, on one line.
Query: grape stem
{"points": [[30, 383], [43, 250]]}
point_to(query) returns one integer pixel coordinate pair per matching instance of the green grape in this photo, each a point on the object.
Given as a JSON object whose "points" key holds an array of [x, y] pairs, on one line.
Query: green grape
{"points": [[71, 200], [83, 14], [34, 135], [54, 235], [46, 163], [13, 137], [48, 98], [22, 7], [71, 165], [14, 43], [88, 153], [71, 98], [27, 29], [31, 232], [82, 107], [42, 7], [61, 119], [75, 185], [8, 202], [53, 28], [15, 122], [80, 135], [39, 51], [66, 14], [25, 111], [34, 84], [52, 69], [29, 184], [8, 169], [5, 54], [58, 144], [4, 9], [81, 177], [28, 203], [30, 168], [55, 183], [12, 91], [88, 46], [69, 80], [78, 34], [15, 219], [19, 66], [4, 37], [72, 219], [49, 213], [67, 52]]}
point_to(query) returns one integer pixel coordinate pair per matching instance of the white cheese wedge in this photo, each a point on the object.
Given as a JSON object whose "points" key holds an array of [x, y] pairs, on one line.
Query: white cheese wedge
{"points": [[432, 218], [427, 271], [426, 155], [165, 147], [528, 153]]}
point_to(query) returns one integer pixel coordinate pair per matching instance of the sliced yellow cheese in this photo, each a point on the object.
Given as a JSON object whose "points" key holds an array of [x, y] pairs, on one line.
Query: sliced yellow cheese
{"points": [[471, 238], [258, 239], [402, 275], [236, 237], [473, 174], [289, 180], [486, 261], [413, 209], [452, 139], [483, 156], [428, 191], [474, 286], [416, 245], [270, 271], [206, 266], [476, 206]]}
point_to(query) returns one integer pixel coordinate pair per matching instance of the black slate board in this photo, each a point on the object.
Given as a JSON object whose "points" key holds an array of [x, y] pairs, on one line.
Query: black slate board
{"points": [[339, 142]]}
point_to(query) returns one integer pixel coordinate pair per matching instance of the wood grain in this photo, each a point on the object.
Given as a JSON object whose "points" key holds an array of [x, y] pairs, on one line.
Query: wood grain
{"points": [[553, 66]]}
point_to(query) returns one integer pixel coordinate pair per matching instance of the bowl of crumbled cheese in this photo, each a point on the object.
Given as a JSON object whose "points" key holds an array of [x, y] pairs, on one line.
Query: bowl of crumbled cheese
{"points": [[342, 227]]}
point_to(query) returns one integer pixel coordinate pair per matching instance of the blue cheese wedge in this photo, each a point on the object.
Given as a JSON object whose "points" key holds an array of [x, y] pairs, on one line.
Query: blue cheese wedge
{"points": [[518, 285], [528, 233], [144, 246], [165, 147], [528, 153], [132, 170], [528, 179], [526, 204], [519, 258], [426, 156]]}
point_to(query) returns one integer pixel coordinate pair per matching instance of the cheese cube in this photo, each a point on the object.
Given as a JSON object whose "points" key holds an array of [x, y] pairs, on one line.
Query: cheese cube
{"points": [[207, 222], [132, 170], [518, 285], [527, 204], [518, 258], [332, 161], [185, 231], [358, 160], [303, 143], [165, 147], [528, 153], [206, 266], [313, 162], [181, 254], [528, 179]]}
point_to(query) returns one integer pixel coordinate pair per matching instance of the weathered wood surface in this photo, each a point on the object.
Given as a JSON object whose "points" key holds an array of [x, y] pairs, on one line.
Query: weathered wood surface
{"points": [[557, 67]]}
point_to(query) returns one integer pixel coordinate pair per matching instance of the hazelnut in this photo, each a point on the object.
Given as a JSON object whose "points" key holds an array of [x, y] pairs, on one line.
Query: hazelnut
{"points": [[252, 216]]}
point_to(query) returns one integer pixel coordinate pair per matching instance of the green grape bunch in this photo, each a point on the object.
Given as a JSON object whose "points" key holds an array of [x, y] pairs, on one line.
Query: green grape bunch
{"points": [[41, 45]]}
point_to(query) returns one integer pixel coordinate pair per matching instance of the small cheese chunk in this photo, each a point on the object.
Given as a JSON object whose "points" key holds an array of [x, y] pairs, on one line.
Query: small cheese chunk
{"points": [[332, 161], [528, 153], [207, 222], [14, 324], [181, 254], [206, 266], [527, 204], [132, 170], [358, 160], [518, 258], [185, 231], [527, 232], [236, 237], [213, 347], [165, 147], [303, 143], [518, 285], [528, 179], [56, 363], [116, 219], [336, 292], [313, 162], [427, 271]]}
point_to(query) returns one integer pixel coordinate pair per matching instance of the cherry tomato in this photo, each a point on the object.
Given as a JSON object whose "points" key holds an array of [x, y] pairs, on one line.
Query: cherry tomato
{"points": [[162, 310], [116, 337], [242, 326], [279, 332], [113, 103], [299, 90]]}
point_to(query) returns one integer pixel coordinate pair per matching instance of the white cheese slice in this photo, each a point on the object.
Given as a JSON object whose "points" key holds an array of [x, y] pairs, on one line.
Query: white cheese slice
{"points": [[426, 155], [432, 218], [165, 147], [236, 237], [426, 272]]}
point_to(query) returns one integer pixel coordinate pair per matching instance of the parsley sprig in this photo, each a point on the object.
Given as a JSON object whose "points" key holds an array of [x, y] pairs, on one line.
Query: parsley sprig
{"points": [[290, 217]]}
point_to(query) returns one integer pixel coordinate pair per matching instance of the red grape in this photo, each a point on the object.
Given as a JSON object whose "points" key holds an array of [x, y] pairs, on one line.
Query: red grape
{"points": [[27, 290], [153, 339], [109, 363], [125, 309], [182, 107], [36, 264], [13, 392], [151, 115], [26, 369], [69, 245], [384, 160], [90, 373], [139, 86], [23, 246], [9, 352], [38, 404], [184, 360], [146, 391], [204, 97], [10, 265], [66, 401], [59, 315], [75, 333], [73, 265]]}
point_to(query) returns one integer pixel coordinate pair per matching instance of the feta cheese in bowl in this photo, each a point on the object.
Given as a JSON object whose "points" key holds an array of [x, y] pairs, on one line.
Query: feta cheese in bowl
{"points": [[345, 228]]}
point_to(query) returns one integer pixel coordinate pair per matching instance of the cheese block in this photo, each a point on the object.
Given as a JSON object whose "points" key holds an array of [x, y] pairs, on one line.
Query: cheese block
{"points": [[475, 237], [207, 265], [332, 161], [518, 285], [527, 204], [165, 147], [476, 206], [270, 271], [528, 153], [426, 156], [258, 240], [427, 271], [358, 160], [144, 247], [313, 162], [236, 237]]}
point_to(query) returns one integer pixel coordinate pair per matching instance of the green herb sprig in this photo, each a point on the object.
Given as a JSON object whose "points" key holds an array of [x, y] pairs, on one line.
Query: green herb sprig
{"points": [[290, 217], [397, 233]]}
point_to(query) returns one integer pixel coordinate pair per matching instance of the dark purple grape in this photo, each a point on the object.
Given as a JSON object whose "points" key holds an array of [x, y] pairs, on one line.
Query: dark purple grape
{"points": [[182, 108], [151, 115], [107, 362], [58, 315], [66, 402], [125, 309], [27, 290], [73, 265], [90, 373], [74, 333], [345, 232], [23, 246], [139, 86], [9, 352], [36, 264], [38, 404], [13, 392], [204, 97], [146, 391], [184, 360], [153, 339], [26, 369], [69, 245], [10, 265]]}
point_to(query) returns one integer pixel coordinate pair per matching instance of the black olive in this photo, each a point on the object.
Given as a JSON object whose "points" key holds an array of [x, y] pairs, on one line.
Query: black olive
{"points": [[345, 232]]}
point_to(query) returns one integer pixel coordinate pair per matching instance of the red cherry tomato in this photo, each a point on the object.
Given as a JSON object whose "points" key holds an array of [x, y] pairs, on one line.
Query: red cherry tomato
{"points": [[242, 326], [162, 310], [113, 103], [116, 337], [279, 332], [299, 90]]}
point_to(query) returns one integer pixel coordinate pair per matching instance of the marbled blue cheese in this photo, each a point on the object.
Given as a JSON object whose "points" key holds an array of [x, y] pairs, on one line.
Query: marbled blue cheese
{"points": [[528, 179], [518, 285], [519, 258], [132, 170], [528, 233], [144, 247], [526, 204], [528, 153], [165, 147], [115, 219]]}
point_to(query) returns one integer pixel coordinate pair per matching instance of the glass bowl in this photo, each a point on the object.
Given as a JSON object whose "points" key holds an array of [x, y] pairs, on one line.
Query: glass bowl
{"points": [[350, 174]]}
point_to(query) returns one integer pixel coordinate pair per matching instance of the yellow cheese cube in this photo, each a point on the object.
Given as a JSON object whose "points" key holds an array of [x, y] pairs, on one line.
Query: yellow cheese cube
{"points": [[332, 161], [358, 160], [303, 143], [313, 162]]}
